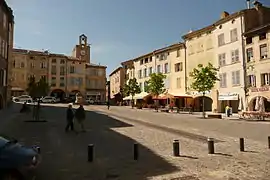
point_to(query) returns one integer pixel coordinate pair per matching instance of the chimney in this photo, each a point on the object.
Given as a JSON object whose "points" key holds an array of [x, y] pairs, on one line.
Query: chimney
{"points": [[224, 14], [248, 4], [257, 5]]}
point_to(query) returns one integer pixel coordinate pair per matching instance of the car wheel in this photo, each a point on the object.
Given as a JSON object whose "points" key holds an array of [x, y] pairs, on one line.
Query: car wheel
{"points": [[16, 100], [29, 101], [12, 175]]}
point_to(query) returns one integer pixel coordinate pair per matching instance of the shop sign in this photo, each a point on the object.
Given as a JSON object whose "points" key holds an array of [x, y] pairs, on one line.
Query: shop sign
{"points": [[261, 89], [228, 96]]}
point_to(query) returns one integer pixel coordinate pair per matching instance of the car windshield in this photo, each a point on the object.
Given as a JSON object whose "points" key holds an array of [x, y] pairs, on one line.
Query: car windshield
{"points": [[5, 141]]}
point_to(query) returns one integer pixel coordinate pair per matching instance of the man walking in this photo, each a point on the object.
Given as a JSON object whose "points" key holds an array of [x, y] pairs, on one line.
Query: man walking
{"points": [[70, 117], [80, 116]]}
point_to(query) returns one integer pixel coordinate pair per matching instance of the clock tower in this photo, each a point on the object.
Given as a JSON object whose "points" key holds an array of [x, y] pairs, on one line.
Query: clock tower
{"points": [[82, 50]]}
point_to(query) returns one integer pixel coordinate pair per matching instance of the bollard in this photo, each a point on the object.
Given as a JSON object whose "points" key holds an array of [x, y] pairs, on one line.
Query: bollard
{"points": [[90, 152], [269, 142], [211, 146], [242, 144], [176, 148], [135, 151]]}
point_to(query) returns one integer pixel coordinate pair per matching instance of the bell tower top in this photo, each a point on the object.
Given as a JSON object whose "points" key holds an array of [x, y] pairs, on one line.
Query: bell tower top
{"points": [[83, 40], [82, 50]]}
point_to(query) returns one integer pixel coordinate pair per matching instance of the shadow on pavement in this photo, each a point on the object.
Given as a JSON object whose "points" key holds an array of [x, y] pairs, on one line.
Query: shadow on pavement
{"points": [[65, 154]]}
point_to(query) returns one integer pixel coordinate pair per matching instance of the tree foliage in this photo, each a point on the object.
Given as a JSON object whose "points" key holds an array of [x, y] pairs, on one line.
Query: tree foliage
{"points": [[31, 86], [204, 77], [155, 85], [38, 89], [131, 88]]}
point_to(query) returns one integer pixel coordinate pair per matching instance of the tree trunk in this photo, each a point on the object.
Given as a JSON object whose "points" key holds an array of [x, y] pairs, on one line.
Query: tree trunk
{"points": [[203, 111]]}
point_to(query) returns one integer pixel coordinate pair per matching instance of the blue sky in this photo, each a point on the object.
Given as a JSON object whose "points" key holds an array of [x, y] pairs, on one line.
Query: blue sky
{"points": [[118, 30]]}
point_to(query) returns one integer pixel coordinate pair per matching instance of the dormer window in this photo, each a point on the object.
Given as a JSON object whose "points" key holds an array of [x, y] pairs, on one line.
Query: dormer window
{"points": [[248, 40], [262, 36]]}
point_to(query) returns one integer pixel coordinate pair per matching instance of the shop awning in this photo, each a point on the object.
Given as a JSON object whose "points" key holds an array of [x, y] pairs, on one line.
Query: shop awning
{"points": [[179, 94], [141, 95], [163, 96], [228, 97]]}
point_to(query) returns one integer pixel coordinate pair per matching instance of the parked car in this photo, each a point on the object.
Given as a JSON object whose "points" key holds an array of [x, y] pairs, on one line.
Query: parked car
{"points": [[16, 160], [48, 99], [23, 98]]}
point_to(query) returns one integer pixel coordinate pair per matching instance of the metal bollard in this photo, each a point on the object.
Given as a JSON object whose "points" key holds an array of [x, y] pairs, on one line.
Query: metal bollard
{"points": [[90, 152], [135, 151], [269, 142], [176, 148], [242, 144], [211, 146]]}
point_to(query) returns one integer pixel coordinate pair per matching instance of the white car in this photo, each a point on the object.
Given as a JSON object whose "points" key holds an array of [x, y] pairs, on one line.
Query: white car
{"points": [[23, 98], [48, 99]]}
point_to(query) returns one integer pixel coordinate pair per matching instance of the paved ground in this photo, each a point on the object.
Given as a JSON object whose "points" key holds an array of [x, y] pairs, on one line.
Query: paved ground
{"points": [[114, 132], [257, 131]]}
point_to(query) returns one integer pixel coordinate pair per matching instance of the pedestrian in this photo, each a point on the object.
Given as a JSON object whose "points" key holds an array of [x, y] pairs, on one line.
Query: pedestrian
{"points": [[70, 117], [80, 116], [227, 111], [108, 105]]}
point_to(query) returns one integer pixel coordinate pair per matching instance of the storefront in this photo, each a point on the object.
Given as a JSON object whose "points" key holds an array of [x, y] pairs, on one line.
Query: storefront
{"points": [[259, 92], [229, 99], [199, 97]]}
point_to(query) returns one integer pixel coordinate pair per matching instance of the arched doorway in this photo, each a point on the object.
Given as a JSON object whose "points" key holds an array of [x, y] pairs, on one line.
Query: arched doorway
{"points": [[1, 102], [198, 103], [58, 94], [252, 104]]}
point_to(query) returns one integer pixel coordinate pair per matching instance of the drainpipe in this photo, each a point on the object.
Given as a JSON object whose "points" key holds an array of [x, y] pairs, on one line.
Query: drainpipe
{"points": [[185, 66], [244, 63]]}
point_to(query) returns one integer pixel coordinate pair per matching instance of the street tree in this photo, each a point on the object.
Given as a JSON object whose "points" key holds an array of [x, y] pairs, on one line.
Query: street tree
{"points": [[204, 79], [43, 87], [37, 89], [31, 86], [131, 89], [155, 85]]}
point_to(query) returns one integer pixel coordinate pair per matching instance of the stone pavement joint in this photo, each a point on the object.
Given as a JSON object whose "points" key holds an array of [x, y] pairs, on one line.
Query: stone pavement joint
{"points": [[185, 134]]}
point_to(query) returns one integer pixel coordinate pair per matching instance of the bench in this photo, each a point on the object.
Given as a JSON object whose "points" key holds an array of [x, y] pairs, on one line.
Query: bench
{"points": [[217, 116]]}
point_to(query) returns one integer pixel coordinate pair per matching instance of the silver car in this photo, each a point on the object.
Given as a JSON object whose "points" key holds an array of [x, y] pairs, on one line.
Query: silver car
{"points": [[23, 98], [48, 99]]}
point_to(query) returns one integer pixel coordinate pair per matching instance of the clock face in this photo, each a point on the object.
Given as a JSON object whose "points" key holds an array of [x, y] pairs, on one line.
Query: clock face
{"points": [[82, 52]]}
